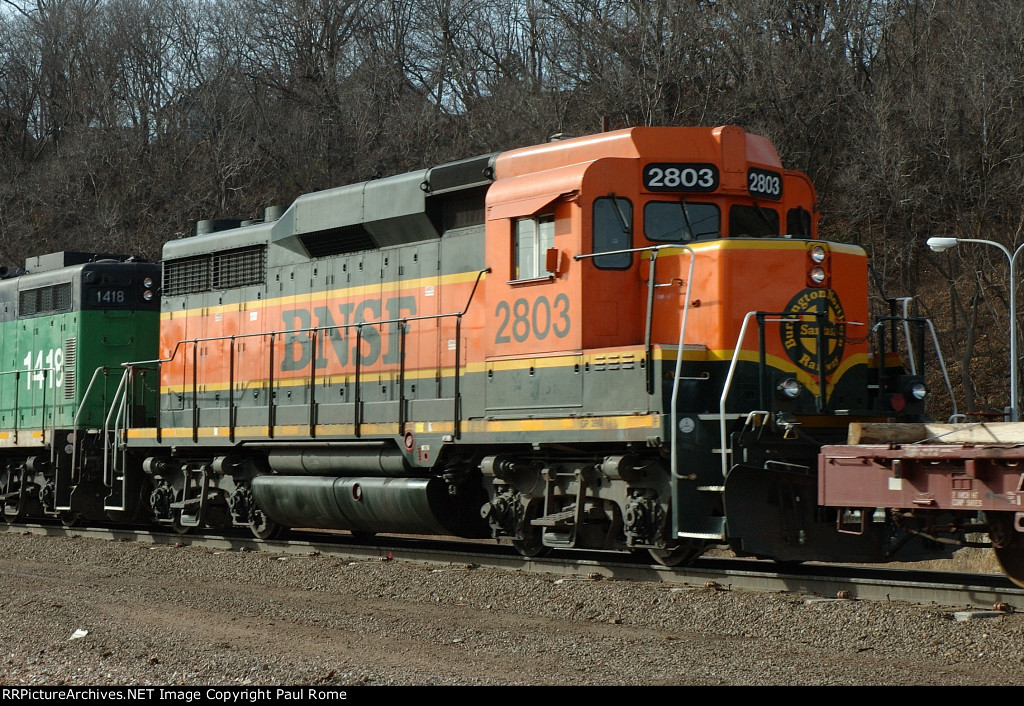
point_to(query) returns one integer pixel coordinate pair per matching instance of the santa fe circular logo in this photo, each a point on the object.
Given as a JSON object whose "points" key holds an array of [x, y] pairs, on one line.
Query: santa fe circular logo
{"points": [[814, 308]]}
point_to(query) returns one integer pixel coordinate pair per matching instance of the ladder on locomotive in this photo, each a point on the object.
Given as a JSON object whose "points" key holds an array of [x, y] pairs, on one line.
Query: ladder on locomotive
{"points": [[559, 522], [754, 419]]}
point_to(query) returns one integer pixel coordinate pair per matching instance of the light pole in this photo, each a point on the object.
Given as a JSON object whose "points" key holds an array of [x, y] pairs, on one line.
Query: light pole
{"points": [[940, 244]]}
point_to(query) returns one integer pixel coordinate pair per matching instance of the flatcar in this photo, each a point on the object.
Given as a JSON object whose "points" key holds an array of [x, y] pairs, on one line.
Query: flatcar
{"points": [[632, 340], [943, 481]]}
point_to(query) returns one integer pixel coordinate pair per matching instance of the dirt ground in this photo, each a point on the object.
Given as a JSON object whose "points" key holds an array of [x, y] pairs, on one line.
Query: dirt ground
{"points": [[89, 612]]}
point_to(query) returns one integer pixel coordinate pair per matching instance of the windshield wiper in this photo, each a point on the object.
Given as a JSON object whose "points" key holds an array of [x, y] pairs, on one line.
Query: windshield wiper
{"points": [[685, 207], [762, 212], [627, 227]]}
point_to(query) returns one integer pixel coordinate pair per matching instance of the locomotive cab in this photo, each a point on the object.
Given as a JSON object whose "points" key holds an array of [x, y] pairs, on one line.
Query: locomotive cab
{"points": [[682, 282]]}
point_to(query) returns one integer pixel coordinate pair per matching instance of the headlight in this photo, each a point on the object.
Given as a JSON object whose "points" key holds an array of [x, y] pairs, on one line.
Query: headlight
{"points": [[918, 391], [147, 283], [148, 295], [790, 388], [818, 275], [818, 253]]}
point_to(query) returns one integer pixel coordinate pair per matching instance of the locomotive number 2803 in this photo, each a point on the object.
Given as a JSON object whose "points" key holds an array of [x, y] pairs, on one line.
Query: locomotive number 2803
{"points": [[671, 176], [519, 320], [764, 183]]}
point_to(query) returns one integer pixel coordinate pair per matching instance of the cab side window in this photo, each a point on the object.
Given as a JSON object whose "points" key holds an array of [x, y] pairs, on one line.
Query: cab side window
{"points": [[533, 238], [798, 222]]}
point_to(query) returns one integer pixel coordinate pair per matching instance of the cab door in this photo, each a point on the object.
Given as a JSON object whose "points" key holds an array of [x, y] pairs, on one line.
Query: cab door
{"points": [[534, 364]]}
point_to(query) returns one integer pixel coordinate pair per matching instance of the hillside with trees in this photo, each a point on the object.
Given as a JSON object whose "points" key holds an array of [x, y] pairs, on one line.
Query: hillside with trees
{"points": [[122, 122]]}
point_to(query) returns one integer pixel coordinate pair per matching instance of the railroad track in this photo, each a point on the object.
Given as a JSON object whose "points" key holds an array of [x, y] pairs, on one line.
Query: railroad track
{"points": [[964, 591]]}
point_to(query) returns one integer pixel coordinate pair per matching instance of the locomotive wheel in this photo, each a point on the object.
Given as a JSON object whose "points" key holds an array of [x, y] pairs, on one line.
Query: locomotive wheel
{"points": [[178, 527], [266, 528], [677, 556], [70, 519], [13, 515], [532, 544]]}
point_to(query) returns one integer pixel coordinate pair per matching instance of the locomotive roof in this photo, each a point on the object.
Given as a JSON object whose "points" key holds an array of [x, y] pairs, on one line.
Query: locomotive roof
{"points": [[378, 213], [67, 258], [396, 210], [727, 145]]}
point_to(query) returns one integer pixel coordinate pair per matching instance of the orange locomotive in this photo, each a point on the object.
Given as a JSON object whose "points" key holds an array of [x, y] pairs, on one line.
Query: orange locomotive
{"points": [[630, 340]]}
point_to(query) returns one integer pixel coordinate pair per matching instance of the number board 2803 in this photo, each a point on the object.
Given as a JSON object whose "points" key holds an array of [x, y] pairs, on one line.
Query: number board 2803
{"points": [[680, 176], [764, 183]]}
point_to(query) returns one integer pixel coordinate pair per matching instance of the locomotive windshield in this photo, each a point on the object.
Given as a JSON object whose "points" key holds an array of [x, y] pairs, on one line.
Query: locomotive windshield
{"points": [[680, 221], [753, 221]]}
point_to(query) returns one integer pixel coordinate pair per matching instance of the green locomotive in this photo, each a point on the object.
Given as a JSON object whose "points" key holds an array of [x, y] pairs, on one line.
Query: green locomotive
{"points": [[67, 322]]}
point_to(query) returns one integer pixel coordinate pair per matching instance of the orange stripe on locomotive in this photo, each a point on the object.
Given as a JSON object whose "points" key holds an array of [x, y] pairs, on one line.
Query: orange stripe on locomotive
{"points": [[279, 332]]}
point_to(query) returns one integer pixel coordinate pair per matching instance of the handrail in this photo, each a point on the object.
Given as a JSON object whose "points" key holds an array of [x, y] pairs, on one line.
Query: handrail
{"points": [[674, 413], [935, 342], [357, 411], [942, 364], [231, 388], [116, 420], [456, 392], [906, 333], [762, 318], [117, 411], [313, 331], [677, 376], [649, 320], [378, 322], [42, 416], [78, 414], [732, 370]]}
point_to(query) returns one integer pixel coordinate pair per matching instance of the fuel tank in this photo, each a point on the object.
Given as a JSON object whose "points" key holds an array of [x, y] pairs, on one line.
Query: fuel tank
{"points": [[367, 504]]}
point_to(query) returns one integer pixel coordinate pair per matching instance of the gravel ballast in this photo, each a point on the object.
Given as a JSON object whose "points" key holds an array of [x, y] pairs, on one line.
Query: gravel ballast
{"points": [[79, 611]]}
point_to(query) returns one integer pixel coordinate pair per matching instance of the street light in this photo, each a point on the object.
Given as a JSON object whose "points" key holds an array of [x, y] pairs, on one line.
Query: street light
{"points": [[940, 244]]}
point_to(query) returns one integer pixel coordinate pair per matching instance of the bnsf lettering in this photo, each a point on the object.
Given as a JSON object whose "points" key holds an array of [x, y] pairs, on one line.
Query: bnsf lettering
{"points": [[340, 343], [520, 319]]}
